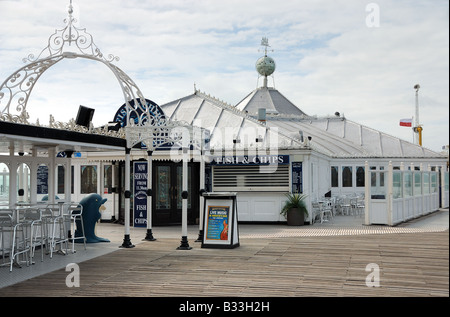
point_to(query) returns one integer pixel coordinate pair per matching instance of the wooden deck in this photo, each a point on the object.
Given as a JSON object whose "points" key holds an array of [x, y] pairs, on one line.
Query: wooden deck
{"points": [[413, 265]]}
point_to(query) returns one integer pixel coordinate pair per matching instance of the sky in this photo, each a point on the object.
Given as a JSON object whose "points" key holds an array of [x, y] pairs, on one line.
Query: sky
{"points": [[359, 58]]}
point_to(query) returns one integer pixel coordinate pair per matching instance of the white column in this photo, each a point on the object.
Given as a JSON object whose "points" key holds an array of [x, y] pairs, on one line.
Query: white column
{"points": [[51, 175], [68, 177], [390, 193], [184, 240], [202, 199], [149, 235], [126, 240], [367, 196], [113, 184]]}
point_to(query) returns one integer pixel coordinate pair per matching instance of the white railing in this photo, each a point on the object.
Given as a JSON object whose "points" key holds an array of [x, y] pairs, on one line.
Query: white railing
{"points": [[394, 196]]}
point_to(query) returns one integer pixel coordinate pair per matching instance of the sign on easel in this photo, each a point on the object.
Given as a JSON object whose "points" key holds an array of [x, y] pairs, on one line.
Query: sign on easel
{"points": [[220, 221]]}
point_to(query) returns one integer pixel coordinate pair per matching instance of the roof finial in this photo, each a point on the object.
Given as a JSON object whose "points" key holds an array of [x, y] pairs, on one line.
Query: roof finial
{"points": [[70, 8], [265, 66]]}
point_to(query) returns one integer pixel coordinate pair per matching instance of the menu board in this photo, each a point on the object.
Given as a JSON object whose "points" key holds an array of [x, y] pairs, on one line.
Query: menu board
{"points": [[140, 194], [42, 179], [297, 186], [217, 224], [220, 221]]}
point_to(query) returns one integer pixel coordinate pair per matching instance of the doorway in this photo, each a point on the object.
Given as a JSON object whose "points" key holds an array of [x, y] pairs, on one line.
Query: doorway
{"points": [[167, 188]]}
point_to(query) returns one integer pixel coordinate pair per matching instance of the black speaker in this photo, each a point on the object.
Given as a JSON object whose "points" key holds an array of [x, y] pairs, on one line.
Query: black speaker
{"points": [[84, 116]]}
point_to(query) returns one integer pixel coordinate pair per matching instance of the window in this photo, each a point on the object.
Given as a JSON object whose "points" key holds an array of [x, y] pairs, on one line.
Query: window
{"points": [[347, 176], [397, 184], [417, 184], [426, 183], [4, 184], [407, 180], [60, 177], [360, 176], [88, 179], [252, 177], [107, 179], [334, 176]]}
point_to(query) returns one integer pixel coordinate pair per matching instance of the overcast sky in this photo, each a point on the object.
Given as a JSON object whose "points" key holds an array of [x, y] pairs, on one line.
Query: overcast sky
{"points": [[360, 58]]}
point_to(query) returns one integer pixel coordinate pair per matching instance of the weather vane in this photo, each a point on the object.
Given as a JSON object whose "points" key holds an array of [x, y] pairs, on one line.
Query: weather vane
{"points": [[265, 43]]}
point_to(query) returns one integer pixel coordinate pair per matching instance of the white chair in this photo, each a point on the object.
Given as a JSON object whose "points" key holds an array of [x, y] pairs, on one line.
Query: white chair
{"points": [[21, 240], [360, 207], [6, 227], [75, 213], [345, 205], [58, 229], [316, 211], [38, 231], [327, 211]]}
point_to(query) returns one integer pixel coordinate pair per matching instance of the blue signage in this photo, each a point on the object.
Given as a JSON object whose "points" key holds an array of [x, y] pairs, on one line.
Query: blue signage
{"points": [[251, 160], [155, 112], [140, 194], [297, 183]]}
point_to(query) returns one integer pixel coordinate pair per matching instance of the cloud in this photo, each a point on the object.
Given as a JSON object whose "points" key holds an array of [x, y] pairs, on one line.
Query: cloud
{"points": [[327, 58]]}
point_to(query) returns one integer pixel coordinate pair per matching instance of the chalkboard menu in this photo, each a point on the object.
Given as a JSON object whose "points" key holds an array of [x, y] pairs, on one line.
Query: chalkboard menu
{"points": [[42, 179], [297, 185], [220, 221]]}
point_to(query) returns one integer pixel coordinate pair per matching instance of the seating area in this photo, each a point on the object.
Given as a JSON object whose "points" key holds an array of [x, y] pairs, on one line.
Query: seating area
{"points": [[325, 209], [47, 227]]}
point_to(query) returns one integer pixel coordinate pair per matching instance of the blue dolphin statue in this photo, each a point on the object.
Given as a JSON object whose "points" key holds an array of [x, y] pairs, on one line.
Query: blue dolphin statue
{"points": [[91, 214]]}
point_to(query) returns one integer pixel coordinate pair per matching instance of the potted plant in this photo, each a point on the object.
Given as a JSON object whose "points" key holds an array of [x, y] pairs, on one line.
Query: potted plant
{"points": [[295, 209]]}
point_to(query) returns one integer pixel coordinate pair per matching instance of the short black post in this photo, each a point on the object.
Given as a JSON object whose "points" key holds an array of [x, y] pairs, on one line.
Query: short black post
{"points": [[184, 244], [149, 235], [127, 242]]}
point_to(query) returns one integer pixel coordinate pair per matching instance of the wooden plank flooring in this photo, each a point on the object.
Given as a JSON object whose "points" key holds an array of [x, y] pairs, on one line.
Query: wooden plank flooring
{"points": [[411, 264]]}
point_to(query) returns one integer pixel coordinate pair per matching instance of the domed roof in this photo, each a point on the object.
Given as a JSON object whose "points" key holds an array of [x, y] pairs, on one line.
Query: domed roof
{"points": [[271, 100]]}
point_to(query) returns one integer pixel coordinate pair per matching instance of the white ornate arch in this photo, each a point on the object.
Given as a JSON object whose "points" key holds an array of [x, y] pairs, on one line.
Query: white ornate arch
{"points": [[69, 42]]}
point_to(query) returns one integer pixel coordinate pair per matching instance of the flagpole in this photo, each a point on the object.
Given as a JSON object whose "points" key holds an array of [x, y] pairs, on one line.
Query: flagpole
{"points": [[417, 129]]}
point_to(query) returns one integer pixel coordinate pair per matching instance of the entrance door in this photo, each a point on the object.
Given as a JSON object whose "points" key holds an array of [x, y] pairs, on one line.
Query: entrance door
{"points": [[167, 189]]}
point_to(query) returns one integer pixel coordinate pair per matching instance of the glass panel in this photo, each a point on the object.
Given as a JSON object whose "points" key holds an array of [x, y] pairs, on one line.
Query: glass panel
{"points": [[360, 176], [426, 183], [60, 176], [334, 176], [378, 191], [417, 184], [180, 187], [23, 183], [162, 187], [107, 179], [4, 184], [347, 176], [88, 179], [407, 179], [397, 185], [433, 182]]}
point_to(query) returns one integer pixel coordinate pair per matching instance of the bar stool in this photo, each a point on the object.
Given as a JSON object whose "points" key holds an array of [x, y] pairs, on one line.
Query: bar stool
{"points": [[21, 240], [38, 232], [58, 231], [75, 213], [6, 226]]}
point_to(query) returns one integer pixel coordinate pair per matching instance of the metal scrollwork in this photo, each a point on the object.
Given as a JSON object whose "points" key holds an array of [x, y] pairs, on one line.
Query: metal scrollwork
{"points": [[16, 89]]}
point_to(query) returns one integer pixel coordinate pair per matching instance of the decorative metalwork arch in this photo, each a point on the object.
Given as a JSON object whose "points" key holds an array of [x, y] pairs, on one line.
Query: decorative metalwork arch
{"points": [[17, 88]]}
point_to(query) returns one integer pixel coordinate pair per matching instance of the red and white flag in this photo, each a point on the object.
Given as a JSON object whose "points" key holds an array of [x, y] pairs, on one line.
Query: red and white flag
{"points": [[406, 122]]}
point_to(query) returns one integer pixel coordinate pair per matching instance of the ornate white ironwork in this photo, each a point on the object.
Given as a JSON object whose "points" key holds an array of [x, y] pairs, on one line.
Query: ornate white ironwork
{"points": [[173, 133], [16, 89]]}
